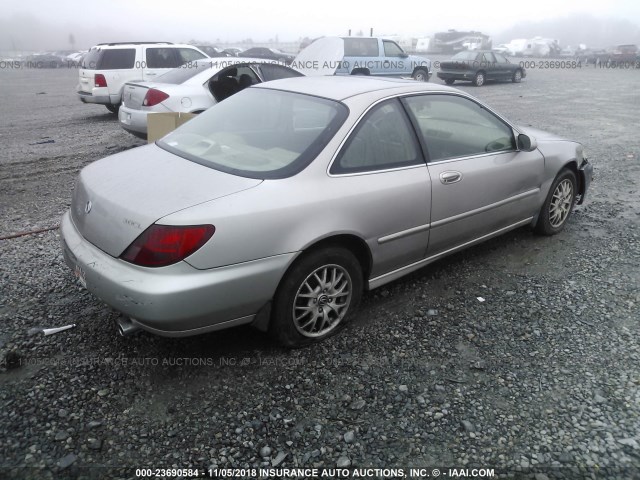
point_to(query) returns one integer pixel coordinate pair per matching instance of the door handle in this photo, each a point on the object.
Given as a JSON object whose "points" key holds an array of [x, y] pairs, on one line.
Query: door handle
{"points": [[450, 177]]}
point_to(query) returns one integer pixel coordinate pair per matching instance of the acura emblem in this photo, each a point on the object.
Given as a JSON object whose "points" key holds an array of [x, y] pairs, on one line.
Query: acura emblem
{"points": [[87, 207]]}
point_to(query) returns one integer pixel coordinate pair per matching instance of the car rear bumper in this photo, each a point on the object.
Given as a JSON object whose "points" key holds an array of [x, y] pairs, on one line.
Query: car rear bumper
{"points": [[461, 75], [177, 300], [133, 121], [88, 97]]}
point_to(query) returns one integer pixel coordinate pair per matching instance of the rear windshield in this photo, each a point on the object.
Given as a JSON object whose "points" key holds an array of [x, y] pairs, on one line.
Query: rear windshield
{"points": [[90, 60], [110, 59], [259, 133], [184, 72], [464, 56]]}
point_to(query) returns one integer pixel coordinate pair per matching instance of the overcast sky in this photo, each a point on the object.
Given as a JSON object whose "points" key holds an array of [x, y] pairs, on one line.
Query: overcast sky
{"points": [[27, 23]]}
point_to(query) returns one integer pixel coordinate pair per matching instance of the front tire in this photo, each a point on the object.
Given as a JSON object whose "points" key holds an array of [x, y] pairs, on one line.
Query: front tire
{"points": [[316, 297], [421, 75], [558, 205], [449, 81]]}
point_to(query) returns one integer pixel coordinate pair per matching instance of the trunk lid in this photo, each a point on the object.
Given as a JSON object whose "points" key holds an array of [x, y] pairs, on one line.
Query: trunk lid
{"points": [[119, 197], [461, 65], [133, 94]]}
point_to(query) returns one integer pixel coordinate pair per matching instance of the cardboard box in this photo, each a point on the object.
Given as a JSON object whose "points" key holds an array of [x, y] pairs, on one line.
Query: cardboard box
{"points": [[159, 124]]}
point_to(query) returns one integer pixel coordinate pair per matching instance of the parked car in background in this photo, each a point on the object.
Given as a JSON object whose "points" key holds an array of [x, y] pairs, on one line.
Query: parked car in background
{"points": [[234, 51], [194, 89], [76, 57], [503, 48], [624, 53], [213, 51], [44, 60], [361, 56], [268, 54], [480, 66], [278, 206], [108, 66]]}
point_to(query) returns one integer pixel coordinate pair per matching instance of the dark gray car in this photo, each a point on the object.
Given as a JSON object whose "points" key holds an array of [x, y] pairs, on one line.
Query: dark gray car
{"points": [[478, 66]]}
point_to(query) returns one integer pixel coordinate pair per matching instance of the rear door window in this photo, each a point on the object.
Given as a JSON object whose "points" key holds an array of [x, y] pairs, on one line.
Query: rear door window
{"points": [[117, 59], [189, 55], [381, 141], [361, 47], [162, 58]]}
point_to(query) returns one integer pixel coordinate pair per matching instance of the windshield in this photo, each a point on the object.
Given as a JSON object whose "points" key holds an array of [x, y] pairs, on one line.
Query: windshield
{"points": [[184, 73], [259, 133], [465, 56]]}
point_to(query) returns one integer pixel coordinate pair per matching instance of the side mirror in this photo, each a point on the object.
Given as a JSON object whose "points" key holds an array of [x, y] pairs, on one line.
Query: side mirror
{"points": [[527, 143]]}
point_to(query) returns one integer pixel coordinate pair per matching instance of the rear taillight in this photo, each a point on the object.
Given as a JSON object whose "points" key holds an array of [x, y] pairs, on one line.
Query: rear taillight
{"points": [[161, 245], [100, 81], [154, 97]]}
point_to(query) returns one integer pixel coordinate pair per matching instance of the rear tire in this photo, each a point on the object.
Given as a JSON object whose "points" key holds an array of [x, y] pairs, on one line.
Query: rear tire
{"points": [[558, 205], [479, 79], [449, 81], [316, 297], [113, 108]]}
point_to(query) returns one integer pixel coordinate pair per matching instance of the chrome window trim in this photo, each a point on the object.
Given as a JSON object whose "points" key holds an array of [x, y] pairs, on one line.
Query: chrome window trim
{"points": [[413, 94], [469, 157], [373, 172]]}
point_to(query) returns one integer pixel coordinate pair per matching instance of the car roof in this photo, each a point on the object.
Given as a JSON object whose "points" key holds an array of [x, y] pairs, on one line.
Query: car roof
{"points": [[342, 87], [217, 64], [224, 62], [137, 44]]}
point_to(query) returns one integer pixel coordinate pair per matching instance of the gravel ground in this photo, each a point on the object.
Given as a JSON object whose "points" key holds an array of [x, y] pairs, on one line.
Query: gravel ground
{"points": [[541, 380]]}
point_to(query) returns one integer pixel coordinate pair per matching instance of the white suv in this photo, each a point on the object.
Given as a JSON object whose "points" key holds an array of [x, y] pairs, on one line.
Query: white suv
{"points": [[108, 66]]}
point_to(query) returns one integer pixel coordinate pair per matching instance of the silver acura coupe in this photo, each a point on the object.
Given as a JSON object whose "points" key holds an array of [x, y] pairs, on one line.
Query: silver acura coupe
{"points": [[278, 206]]}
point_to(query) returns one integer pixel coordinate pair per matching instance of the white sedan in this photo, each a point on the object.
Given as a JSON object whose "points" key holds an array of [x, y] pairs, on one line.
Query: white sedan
{"points": [[194, 87]]}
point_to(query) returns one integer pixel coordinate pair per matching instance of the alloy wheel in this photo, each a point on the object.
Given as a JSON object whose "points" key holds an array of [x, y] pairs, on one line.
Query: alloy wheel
{"points": [[322, 300], [560, 205]]}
